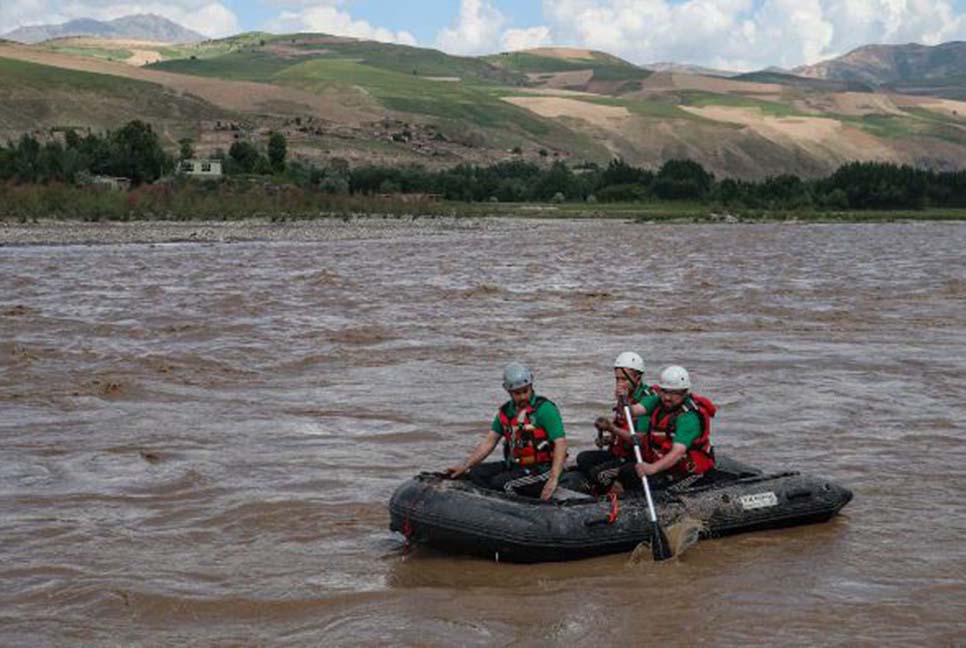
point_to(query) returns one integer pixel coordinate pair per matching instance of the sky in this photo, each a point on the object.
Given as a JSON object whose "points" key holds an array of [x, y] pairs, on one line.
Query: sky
{"points": [[727, 34]]}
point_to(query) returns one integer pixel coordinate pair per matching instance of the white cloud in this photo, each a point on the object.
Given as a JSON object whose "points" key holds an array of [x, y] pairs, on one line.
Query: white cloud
{"points": [[212, 20], [329, 20], [748, 34], [893, 21], [477, 29], [204, 16], [314, 3], [519, 39]]}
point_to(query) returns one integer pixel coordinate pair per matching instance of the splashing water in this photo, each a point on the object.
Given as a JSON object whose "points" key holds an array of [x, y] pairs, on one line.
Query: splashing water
{"points": [[680, 536]]}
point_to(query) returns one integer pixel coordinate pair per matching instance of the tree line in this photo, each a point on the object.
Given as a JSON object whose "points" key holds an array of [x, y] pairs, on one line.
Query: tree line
{"points": [[857, 185], [135, 152]]}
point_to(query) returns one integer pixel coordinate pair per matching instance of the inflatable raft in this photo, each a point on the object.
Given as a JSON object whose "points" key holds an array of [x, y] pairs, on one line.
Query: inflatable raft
{"points": [[457, 516]]}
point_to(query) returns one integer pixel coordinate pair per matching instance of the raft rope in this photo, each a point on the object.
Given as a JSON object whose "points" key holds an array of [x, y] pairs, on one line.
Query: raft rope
{"points": [[615, 507], [407, 527], [612, 515], [684, 483]]}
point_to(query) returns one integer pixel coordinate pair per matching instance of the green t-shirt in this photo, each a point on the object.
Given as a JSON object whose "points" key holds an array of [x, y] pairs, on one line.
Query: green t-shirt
{"points": [[650, 403], [643, 391], [547, 417]]}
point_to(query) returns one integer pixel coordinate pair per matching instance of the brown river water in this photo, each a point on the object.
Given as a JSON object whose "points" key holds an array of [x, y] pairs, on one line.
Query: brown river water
{"points": [[199, 440]]}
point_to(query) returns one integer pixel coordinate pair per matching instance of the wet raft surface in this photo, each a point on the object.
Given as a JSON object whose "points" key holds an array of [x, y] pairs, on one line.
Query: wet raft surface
{"points": [[199, 441], [457, 517]]}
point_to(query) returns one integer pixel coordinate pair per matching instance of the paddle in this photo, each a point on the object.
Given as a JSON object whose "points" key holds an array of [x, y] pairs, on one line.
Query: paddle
{"points": [[660, 548]]}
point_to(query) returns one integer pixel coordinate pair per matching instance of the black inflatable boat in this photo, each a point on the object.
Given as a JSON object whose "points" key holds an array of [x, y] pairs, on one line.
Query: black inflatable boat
{"points": [[456, 516]]}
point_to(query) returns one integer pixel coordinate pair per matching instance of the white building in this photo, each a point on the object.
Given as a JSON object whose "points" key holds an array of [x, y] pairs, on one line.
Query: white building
{"points": [[201, 168]]}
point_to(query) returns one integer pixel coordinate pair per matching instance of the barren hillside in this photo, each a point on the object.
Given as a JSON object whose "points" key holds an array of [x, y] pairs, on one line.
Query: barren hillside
{"points": [[378, 102]]}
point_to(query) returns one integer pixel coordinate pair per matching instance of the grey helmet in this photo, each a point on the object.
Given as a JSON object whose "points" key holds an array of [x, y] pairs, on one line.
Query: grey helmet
{"points": [[516, 375]]}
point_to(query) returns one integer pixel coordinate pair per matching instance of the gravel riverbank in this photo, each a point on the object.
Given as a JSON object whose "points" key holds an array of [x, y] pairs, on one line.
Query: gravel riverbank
{"points": [[114, 233]]}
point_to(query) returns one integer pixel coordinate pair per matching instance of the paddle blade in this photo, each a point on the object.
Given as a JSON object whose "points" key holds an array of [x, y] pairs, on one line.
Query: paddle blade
{"points": [[660, 547]]}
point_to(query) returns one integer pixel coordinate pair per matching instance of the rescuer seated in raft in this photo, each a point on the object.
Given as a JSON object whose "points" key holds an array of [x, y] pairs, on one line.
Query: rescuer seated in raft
{"points": [[535, 446], [616, 447], [675, 437]]}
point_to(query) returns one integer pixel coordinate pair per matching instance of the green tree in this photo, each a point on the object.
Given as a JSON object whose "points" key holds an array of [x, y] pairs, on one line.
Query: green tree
{"points": [[186, 151], [262, 166], [682, 180], [97, 152], [245, 156], [50, 163], [558, 179], [7, 159], [25, 159], [619, 172], [277, 149], [72, 139], [73, 162], [136, 153], [621, 193], [877, 185]]}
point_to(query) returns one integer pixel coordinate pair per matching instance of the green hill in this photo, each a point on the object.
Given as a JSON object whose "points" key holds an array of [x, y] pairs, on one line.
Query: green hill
{"points": [[278, 52], [949, 87], [804, 83], [608, 74], [545, 60], [455, 105], [364, 101], [36, 96]]}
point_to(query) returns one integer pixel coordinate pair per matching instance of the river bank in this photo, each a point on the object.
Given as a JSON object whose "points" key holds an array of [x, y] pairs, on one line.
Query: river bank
{"points": [[355, 226], [58, 232]]}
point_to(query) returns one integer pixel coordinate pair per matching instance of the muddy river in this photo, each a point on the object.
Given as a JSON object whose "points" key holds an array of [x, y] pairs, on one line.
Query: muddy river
{"points": [[199, 440]]}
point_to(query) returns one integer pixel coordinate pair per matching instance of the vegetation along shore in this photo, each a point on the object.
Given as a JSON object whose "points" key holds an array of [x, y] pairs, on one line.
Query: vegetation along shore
{"points": [[61, 179]]}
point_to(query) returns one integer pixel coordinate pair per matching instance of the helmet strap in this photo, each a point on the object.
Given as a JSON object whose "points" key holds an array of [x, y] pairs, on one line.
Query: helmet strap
{"points": [[630, 378]]}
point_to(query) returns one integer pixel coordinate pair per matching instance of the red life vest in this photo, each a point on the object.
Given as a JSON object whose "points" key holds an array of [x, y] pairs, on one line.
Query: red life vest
{"points": [[525, 444], [618, 447], [699, 458]]}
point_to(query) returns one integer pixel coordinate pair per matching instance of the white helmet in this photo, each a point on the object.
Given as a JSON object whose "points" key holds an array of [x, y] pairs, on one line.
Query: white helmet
{"points": [[629, 360], [675, 378]]}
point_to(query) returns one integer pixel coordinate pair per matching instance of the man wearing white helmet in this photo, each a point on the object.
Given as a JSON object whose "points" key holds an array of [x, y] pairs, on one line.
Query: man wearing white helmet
{"points": [[676, 434], [535, 446], [614, 440]]}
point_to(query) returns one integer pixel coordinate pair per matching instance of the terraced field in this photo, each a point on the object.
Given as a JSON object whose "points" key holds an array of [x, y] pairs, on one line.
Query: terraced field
{"points": [[385, 102]]}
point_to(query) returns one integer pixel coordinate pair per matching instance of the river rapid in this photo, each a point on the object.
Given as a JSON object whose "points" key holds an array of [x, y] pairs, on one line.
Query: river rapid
{"points": [[199, 440]]}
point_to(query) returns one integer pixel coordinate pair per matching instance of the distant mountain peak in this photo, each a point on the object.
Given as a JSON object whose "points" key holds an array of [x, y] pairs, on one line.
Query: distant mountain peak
{"points": [[687, 68], [883, 64], [150, 27]]}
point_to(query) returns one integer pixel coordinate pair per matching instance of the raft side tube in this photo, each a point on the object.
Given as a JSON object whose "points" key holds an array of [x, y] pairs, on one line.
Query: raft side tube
{"points": [[457, 516]]}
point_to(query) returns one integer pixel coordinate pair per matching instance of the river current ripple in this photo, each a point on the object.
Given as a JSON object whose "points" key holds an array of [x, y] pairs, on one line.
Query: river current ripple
{"points": [[199, 440]]}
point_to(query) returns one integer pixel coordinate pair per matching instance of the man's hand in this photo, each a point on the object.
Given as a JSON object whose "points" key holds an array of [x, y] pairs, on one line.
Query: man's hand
{"points": [[603, 424], [548, 489], [455, 471], [645, 469]]}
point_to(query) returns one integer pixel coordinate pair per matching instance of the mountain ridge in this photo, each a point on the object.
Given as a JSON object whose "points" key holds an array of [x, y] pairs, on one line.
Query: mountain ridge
{"points": [[889, 64], [149, 27]]}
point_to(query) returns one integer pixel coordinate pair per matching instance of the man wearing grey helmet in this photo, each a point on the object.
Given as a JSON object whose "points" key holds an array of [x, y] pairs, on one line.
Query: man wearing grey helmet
{"points": [[535, 445]]}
